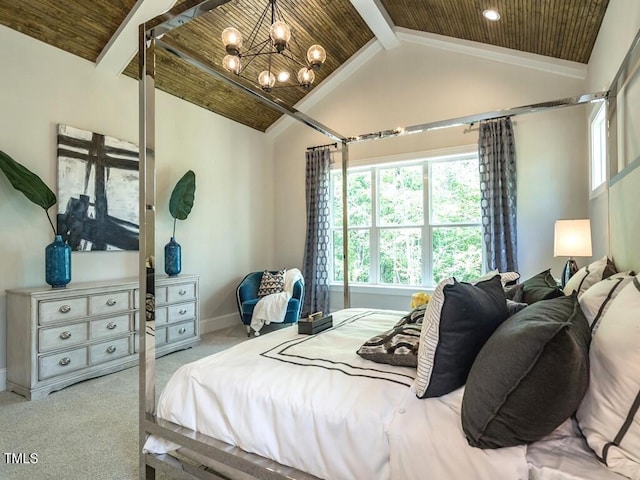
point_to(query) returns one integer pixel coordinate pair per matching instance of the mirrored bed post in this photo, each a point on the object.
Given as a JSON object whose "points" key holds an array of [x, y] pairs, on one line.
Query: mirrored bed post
{"points": [[146, 293], [345, 231]]}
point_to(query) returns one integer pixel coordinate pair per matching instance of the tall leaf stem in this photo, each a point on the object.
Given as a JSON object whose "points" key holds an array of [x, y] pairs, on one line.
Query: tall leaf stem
{"points": [[174, 227], [51, 223]]}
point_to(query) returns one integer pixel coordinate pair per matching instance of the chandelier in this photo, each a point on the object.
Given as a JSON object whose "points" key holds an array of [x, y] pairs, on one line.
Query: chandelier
{"points": [[276, 49]]}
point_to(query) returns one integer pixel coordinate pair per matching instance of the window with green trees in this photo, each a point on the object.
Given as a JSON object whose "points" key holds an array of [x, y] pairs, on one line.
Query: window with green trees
{"points": [[411, 223]]}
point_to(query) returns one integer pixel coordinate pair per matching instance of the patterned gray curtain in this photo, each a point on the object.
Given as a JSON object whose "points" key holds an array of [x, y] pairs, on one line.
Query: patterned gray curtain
{"points": [[316, 252], [497, 157]]}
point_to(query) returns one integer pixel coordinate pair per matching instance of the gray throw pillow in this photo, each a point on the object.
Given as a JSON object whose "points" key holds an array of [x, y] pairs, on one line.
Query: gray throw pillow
{"points": [[529, 377], [515, 307], [540, 287], [515, 293]]}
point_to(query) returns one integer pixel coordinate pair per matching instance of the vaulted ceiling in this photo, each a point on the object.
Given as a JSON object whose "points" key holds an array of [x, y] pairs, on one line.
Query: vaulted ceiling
{"points": [[563, 29]]}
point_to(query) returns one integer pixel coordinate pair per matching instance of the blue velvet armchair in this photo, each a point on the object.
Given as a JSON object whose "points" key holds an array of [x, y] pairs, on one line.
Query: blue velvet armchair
{"points": [[247, 298]]}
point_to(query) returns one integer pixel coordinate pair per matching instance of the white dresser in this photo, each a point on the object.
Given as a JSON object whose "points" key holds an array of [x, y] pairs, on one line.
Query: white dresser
{"points": [[57, 337]]}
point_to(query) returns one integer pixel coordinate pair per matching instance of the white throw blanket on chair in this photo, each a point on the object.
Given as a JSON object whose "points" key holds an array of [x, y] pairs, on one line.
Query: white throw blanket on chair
{"points": [[273, 308]]}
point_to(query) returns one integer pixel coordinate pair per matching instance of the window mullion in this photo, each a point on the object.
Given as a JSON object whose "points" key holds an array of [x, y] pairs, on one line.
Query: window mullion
{"points": [[374, 235], [427, 277]]}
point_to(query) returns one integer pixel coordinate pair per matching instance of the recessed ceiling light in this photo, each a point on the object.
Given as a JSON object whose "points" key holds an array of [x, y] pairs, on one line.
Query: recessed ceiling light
{"points": [[491, 15]]}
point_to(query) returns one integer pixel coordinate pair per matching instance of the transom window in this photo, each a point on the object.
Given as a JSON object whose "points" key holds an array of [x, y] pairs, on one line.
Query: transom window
{"points": [[411, 223]]}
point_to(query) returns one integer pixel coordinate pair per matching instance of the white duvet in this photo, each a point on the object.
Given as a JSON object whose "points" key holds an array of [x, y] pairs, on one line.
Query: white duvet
{"points": [[310, 402]]}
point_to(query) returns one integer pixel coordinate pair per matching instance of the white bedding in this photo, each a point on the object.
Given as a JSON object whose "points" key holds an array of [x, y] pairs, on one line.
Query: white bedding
{"points": [[311, 403], [564, 455]]}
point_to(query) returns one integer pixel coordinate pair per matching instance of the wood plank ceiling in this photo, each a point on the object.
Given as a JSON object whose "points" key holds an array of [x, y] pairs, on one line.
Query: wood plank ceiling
{"points": [[564, 29]]}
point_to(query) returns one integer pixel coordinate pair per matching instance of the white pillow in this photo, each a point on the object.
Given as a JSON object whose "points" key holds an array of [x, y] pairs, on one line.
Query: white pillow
{"points": [[608, 414], [598, 297], [589, 275]]}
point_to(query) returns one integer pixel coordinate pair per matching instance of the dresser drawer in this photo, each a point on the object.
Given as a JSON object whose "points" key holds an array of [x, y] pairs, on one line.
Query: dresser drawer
{"points": [[181, 332], [110, 326], [62, 337], [61, 363], [161, 317], [181, 293], [160, 337], [109, 303], [59, 310], [111, 350], [161, 296], [180, 312]]}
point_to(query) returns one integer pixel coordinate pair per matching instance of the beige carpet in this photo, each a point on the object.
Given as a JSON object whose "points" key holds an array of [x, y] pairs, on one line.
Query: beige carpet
{"points": [[89, 431]]}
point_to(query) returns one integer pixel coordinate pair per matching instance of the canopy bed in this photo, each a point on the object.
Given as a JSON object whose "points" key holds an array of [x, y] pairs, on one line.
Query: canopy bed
{"points": [[313, 388]]}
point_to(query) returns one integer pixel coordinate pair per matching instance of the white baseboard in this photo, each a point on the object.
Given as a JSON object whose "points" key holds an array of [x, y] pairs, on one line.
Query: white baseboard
{"points": [[216, 323], [3, 379]]}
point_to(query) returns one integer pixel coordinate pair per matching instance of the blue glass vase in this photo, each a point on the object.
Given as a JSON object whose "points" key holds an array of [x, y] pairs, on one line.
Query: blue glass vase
{"points": [[172, 258], [57, 260]]}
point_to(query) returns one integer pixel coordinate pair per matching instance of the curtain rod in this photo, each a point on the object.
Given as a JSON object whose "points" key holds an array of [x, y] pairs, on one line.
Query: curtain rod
{"points": [[470, 119], [334, 145]]}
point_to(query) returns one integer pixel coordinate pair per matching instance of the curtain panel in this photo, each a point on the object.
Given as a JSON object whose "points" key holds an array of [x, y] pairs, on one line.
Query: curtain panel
{"points": [[316, 252], [497, 163]]}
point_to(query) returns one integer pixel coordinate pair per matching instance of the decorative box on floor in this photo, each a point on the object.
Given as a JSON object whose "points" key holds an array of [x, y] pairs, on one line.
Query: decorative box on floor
{"points": [[314, 323]]}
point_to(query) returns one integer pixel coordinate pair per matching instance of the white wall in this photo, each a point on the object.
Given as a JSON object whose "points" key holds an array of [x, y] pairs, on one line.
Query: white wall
{"points": [[416, 84], [619, 27], [229, 231]]}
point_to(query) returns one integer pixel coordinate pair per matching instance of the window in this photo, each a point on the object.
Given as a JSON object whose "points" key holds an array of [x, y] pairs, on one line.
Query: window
{"points": [[599, 148], [411, 223]]}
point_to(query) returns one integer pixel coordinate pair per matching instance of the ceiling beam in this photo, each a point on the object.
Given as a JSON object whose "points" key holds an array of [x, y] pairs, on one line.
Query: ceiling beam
{"points": [[199, 61], [123, 44], [379, 21]]}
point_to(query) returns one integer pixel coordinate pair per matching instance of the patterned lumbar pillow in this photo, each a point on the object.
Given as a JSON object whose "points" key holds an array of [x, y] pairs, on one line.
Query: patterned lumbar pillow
{"points": [[609, 415], [271, 283], [460, 318], [589, 275], [414, 316], [398, 346]]}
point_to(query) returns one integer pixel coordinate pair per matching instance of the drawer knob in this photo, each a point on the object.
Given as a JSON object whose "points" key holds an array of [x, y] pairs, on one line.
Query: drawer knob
{"points": [[182, 330], [65, 335], [64, 309], [182, 311], [182, 292], [111, 302], [64, 361], [111, 325], [111, 349]]}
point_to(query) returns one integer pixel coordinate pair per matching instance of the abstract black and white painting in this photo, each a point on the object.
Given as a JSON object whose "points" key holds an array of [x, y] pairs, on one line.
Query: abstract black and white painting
{"points": [[97, 191]]}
